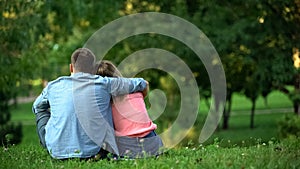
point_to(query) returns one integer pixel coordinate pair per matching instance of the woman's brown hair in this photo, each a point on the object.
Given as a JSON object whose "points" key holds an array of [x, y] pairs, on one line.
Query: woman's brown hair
{"points": [[107, 68]]}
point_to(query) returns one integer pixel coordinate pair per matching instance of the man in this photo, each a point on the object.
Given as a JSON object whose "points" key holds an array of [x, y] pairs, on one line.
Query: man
{"points": [[73, 113]]}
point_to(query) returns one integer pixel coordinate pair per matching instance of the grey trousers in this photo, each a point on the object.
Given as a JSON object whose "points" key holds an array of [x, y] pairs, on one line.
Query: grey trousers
{"points": [[136, 147]]}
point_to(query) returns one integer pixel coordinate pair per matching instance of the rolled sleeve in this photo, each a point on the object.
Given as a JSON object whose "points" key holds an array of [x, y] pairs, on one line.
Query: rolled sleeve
{"points": [[41, 104]]}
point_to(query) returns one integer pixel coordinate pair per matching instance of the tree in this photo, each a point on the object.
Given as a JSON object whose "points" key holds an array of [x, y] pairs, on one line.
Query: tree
{"points": [[19, 25], [273, 45], [252, 89]]}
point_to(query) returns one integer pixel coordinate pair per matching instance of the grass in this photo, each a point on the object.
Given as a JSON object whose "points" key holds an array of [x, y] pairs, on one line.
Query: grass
{"points": [[263, 155], [241, 134], [238, 147], [22, 113], [274, 100], [241, 104], [268, 112]]}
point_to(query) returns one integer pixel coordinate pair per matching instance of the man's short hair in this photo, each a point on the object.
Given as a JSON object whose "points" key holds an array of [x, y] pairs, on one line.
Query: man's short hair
{"points": [[83, 60]]}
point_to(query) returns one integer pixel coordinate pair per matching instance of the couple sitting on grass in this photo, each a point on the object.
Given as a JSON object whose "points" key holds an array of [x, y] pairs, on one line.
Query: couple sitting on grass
{"points": [[95, 112]]}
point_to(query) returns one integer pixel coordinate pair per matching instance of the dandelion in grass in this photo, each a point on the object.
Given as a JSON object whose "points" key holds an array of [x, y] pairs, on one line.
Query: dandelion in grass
{"points": [[76, 151]]}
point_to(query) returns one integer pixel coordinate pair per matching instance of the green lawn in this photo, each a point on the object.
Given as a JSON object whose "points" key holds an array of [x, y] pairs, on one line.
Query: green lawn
{"points": [[275, 99], [267, 114], [22, 113], [240, 103], [240, 133]]}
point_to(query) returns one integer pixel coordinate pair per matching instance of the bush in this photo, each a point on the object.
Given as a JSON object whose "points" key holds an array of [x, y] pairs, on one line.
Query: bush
{"points": [[289, 126], [9, 133]]}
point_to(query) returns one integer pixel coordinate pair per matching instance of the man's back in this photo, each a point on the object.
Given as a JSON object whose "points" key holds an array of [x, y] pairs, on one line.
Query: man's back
{"points": [[81, 119], [65, 136]]}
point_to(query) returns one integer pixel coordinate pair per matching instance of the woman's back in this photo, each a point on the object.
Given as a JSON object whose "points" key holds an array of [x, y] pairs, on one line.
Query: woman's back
{"points": [[130, 116]]}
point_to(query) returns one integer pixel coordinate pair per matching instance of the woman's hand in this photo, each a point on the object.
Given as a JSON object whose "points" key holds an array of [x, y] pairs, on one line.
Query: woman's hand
{"points": [[145, 91]]}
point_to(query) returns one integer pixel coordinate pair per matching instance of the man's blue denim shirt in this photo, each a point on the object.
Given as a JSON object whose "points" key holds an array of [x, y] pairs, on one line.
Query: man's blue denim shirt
{"points": [[81, 119]]}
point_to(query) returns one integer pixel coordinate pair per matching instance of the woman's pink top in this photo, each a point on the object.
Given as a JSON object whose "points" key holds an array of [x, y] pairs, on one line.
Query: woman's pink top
{"points": [[130, 116]]}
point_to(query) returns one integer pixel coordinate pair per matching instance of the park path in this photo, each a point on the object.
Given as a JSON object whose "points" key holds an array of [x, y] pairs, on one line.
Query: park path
{"points": [[263, 111], [23, 99]]}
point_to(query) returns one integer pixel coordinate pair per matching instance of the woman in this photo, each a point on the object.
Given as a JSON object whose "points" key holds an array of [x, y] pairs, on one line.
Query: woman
{"points": [[134, 130]]}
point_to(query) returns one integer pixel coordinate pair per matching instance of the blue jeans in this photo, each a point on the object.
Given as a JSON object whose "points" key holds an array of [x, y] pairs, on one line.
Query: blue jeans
{"points": [[151, 134]]}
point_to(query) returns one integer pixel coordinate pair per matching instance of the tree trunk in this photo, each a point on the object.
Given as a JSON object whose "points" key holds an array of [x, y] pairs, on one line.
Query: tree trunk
{"points": [[225, 120], [252, 114], [297, 88], [296, 107], [227, 111]]}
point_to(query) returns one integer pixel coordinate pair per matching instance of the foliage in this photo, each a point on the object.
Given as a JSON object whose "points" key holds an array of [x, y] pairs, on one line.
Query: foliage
{"points": [[295, 96], [18, 31], [289, 126], [10, 134], [248, 31], [37, 40]]}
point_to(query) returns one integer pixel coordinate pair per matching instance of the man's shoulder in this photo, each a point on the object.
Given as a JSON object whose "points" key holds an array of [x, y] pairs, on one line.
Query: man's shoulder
{"points": [[59, 79], [84, 76]]}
